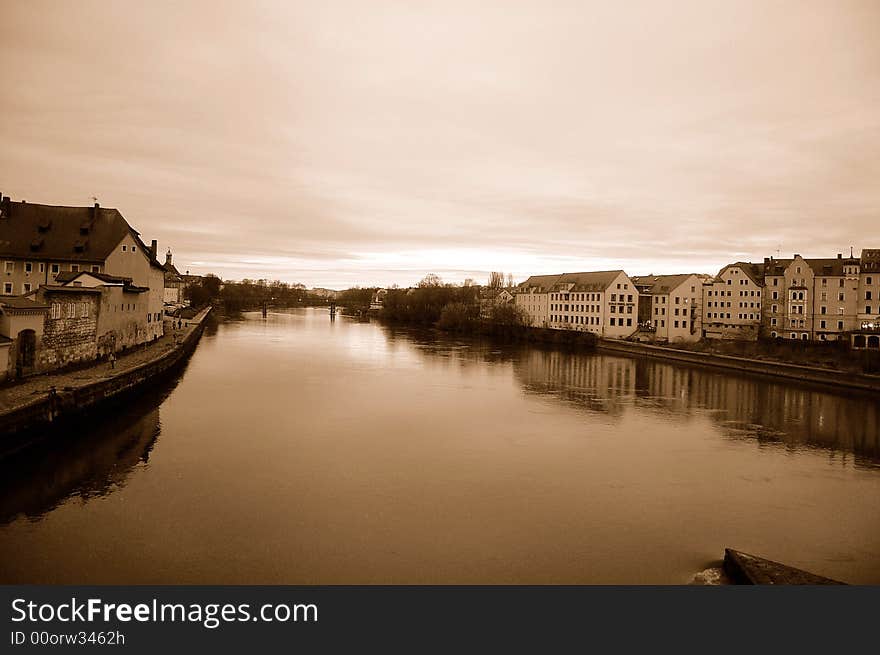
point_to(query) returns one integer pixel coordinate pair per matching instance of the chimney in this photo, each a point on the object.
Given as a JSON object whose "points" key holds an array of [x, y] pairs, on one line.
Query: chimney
{"points": [[94, 212], [154, 246], [840, 255], [766, 261], [168, 258]]}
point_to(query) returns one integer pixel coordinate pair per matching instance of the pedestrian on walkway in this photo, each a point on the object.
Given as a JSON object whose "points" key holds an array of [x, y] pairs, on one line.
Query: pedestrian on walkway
{"points": [[112, 360]]}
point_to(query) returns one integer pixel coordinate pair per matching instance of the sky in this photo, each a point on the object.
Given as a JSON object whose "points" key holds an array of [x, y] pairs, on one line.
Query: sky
{"points": [[338, 143]]}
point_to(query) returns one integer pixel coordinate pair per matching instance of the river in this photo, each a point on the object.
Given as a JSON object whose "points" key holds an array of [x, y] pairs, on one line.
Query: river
{"points": [[296, 450]]}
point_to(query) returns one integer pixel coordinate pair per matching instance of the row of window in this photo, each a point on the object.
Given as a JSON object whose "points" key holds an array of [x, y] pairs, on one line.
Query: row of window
{"points": [[741, 316], [588, 320], [69, 310], [8, 288], [54, 269]]}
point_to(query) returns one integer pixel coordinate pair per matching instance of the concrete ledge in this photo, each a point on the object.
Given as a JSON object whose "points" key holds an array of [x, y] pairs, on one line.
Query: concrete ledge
{"points": [[743, 568], [48, 409], [778, 369]]}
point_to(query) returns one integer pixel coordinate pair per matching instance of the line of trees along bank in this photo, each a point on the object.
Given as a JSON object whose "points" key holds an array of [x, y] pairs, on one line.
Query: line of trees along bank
{"points": [[470, 309], [249, 294]]}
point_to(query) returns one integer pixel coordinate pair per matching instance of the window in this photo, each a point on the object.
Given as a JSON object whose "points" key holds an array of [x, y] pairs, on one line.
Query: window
{"points": [[124, 248], [773, 334], [42, 267], [867, 295], [28, 267], [823, 310], [839, 325], [71, 310], [96, 269], [84, 311], [868, 309], [868, 280], [55, 269], [822, 324], [26, 287], [132, 248], [773, 322], [74, 268], [7, 288], [10, 267]]}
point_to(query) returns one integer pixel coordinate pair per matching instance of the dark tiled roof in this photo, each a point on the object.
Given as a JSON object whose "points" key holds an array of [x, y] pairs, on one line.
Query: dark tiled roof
{"points": [[586, 281], [63, 233], [70, 276], [662, 284], [20, 302], [60, 288], [831, 266], [754, 271], [77, 234]]}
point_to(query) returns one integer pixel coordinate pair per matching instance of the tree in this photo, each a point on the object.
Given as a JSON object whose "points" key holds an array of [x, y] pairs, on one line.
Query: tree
{"points": [[430, 280], [496, 280]]}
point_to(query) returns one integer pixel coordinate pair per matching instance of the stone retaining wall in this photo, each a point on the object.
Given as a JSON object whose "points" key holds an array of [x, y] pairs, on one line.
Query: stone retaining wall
{"points": [[68, 403], [745, 365]]}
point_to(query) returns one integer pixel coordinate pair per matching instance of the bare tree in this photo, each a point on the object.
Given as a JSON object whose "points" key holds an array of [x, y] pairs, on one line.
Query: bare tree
{"points": [[510, 280], [431, 280], [496, 280]]}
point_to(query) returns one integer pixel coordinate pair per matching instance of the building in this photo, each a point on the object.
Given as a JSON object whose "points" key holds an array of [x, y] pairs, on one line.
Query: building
{"points": [[601, 302], [21, 332], [670, 306], [732, 302], [811, 299], [173, 293], [491, 297], [65, 271], [122, 317]]}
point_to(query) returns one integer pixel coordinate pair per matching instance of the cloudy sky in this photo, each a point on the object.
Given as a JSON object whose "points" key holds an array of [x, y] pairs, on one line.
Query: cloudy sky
{"points": [[337, 143]]}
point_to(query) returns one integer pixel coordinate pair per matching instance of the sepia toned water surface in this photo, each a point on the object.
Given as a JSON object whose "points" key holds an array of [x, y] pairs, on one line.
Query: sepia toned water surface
{"points": [[298, 450]]}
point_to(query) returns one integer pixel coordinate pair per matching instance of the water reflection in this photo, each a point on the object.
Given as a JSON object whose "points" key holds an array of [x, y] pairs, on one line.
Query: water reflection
{"points": [[79, 464], [742, 407], [89, 458]]}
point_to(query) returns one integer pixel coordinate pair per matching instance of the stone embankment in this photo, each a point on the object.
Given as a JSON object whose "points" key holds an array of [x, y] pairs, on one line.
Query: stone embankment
{"points": [[41, 401], [814, 375]]}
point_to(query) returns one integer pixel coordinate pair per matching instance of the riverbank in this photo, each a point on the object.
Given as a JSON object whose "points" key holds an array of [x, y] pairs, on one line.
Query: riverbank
{"points": [[509, 334], [40, 401], [810, 374]]}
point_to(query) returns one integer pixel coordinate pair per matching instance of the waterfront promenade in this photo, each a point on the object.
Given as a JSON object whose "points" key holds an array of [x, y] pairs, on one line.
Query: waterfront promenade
{"points": [[19, 394]]}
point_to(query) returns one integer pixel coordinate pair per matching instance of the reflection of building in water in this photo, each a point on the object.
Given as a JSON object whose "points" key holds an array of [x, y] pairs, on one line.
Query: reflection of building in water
{"points": [[743, 407], [793, 415], [84, 463], [598, 383]]}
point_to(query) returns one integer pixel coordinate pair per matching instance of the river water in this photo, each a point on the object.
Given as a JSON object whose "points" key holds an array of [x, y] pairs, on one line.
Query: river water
{"points": [[296, 450]]}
